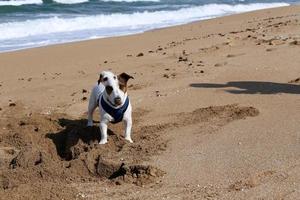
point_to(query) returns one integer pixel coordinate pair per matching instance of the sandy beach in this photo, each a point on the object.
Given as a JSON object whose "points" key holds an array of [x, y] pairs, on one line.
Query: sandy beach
{"points": [[216, 108]]}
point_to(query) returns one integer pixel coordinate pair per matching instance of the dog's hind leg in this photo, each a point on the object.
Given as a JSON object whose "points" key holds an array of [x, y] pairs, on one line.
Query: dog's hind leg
{"points": [[91, 109], [128, 125]]}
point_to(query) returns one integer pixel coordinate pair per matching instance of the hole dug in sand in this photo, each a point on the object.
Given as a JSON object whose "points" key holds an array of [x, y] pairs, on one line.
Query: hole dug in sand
{"points": [[117, 160], [137, 174], [63, 152]]}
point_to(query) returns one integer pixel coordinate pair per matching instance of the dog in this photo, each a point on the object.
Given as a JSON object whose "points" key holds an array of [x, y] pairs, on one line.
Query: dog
{"points": [[110, 94]]}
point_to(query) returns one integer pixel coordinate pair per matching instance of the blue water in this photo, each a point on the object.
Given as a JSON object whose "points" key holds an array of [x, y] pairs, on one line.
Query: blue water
{"points": [[32, 23]]}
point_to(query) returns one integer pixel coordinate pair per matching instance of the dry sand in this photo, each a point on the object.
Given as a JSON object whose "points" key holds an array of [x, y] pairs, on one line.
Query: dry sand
{"points": [[216, 114]]}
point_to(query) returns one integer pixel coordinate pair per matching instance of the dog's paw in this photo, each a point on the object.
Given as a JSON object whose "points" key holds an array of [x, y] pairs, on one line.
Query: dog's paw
{"points": [[103, 142], [89, 124], [129, 139]]}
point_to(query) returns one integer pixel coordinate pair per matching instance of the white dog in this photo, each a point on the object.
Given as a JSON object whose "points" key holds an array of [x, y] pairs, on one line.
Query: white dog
{"points": [[110, 94]]}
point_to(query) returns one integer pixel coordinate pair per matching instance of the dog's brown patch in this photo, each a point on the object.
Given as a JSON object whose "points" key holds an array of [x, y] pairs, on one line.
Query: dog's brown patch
{"points": [[123, 87], [100, 79], [123, 79]]}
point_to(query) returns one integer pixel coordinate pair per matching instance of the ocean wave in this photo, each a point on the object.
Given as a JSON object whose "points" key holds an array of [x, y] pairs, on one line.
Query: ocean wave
{"points": [[130, 0], [19, 2], [57, 29], [25, 2], [70, 1], [139, 19]]}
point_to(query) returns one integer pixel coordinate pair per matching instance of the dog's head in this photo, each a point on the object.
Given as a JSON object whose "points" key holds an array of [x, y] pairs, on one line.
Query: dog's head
{"points": [[115, 87]]}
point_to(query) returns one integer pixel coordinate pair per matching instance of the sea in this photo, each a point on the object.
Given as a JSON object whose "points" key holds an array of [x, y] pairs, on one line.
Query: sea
{"points": [[33, 23]]}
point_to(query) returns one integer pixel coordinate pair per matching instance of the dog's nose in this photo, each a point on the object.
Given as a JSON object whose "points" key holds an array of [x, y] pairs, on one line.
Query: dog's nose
{"points": [[118, 100]]}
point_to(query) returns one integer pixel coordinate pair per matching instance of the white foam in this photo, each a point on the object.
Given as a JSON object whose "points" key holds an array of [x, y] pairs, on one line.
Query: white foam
{"points": [[70, 1], [58, 29], [19, 2], [130, 0]]}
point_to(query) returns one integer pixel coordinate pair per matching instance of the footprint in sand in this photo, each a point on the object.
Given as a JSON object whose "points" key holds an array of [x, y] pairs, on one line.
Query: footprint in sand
{"points": [[234, 55], [140, 54], [12, 104], [270, 49], [221, 64], [182, 59], [81, 72], [199, 72], [84, 91], [252, 181], [159, 49], [276, 42], [172, 75], [137, 86], [297, 80], [295, 42]]}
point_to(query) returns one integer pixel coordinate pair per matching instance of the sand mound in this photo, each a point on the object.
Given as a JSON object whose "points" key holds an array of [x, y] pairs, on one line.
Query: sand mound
{"points": [[28, 157], [215, 115], [39, 150], [54, 151]]}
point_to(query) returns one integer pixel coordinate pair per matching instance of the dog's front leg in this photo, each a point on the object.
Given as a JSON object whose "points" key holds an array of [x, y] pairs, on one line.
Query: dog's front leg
{"points": [[128, 125], [103, 131], [91, 109], [93, 104]]}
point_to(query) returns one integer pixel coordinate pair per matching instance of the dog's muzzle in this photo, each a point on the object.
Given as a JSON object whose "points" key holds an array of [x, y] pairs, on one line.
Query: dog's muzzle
{"points": [[118, 101]]}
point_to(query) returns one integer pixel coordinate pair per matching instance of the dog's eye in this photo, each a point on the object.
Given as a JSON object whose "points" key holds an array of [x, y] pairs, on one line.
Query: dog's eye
{"points": [[109, 89], [115, 77], [105, 79]]}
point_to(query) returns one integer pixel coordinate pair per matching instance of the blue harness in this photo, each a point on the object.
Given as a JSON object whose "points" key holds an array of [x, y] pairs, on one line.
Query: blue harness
{"points": [[118, 113]]}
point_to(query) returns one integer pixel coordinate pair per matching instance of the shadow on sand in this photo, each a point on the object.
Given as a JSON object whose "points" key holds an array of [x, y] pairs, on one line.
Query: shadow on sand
{"points": [[73, 132], [253, 87]]}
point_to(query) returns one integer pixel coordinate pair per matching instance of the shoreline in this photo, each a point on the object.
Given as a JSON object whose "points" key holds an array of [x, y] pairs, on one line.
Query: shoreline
{"points": [[140, 32]]}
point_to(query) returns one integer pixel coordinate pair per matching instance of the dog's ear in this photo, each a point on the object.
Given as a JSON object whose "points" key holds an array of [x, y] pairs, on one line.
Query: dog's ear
{"points": [[100, 78], [123, 78]]}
